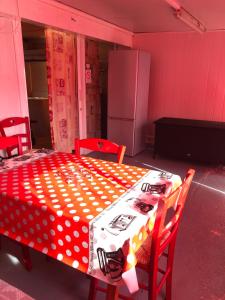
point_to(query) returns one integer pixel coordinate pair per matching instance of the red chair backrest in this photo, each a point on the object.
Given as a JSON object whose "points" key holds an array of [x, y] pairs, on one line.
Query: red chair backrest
{"points": [[11, 141], [164, 233], [14, 121], [162, 240], [100, 145]]}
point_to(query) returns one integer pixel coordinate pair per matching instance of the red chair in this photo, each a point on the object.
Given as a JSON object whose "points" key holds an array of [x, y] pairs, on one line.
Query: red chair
{"points": [[15, 121], [11, 141], [100, 145], [161, 243], [15, 142]]}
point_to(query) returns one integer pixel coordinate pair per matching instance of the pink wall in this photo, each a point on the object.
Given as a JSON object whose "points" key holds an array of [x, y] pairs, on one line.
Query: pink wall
{"points": [[9, 7], [13, 93], [187, 77], [12, 76]]}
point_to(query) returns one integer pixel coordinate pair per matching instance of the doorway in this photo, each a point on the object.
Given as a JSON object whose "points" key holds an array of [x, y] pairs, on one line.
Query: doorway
{"points": [[37, 86], [96, 63], [50, 59]]}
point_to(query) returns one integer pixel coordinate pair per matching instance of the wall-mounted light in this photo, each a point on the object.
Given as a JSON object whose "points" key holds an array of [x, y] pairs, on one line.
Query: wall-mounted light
{"points": [[174, 4], [190, 20], [186, 17]]}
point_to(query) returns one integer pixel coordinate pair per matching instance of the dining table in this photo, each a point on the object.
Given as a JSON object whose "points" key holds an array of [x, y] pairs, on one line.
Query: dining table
{"points": [[90, 214]]}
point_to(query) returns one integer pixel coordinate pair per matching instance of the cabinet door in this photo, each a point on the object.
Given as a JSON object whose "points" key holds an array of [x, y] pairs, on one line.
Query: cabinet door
{"points": [[173, 141], [190, 142]]}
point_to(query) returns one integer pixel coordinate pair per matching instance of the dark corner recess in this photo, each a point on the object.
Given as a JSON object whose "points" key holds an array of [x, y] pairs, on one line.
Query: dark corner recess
{"points": [[194, 140]]}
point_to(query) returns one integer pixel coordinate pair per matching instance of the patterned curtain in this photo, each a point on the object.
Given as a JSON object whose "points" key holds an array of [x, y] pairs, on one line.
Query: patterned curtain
{"points": [[62, 96]]}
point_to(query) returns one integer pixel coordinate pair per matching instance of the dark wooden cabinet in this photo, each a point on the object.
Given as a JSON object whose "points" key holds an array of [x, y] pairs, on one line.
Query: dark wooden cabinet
{"points": [[195, 140]]}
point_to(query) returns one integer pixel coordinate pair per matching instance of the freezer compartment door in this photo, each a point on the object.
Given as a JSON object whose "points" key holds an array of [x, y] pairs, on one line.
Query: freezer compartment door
{"points": [[122, 132]]}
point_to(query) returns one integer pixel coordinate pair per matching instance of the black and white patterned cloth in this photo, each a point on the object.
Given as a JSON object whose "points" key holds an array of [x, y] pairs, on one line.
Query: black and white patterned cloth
{"points": [[16, 161]]}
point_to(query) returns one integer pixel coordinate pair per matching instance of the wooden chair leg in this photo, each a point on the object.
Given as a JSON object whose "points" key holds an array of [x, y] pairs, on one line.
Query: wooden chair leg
{"points": [[152, 278], [152, 288], [169, 286], [170, 266], [112, 292], [26, 260], [92, 289]]}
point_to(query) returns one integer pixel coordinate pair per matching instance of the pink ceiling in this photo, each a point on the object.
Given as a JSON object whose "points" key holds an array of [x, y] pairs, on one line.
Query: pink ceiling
{"points": [[152, 15]]}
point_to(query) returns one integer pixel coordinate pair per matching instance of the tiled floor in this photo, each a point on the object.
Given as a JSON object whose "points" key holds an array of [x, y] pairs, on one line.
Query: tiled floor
{"points": [[199, 269]]}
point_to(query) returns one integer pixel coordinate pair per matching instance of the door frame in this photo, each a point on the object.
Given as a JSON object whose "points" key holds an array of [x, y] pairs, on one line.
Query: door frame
{"points": [[81, 86]]}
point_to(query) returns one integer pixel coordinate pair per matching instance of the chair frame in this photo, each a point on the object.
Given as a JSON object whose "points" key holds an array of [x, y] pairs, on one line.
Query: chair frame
{"points": [[11, 141], [100, 145], [15, 141], [163, 238], [14, 121]]}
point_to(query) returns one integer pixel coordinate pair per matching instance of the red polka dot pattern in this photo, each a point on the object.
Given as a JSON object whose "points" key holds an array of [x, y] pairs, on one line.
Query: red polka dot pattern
{"points": [[48, 203]]}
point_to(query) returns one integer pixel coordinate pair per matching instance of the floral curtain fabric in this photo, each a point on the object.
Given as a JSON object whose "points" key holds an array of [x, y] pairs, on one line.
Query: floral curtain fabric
{"points": [[62, 95]]}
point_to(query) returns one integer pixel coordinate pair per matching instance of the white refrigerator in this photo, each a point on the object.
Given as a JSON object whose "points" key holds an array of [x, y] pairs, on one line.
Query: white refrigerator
{"points": [[128, 87]]}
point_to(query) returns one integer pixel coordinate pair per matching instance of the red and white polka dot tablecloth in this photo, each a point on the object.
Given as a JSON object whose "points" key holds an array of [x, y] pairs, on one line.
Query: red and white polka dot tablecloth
{"points": [[93, 215]]}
